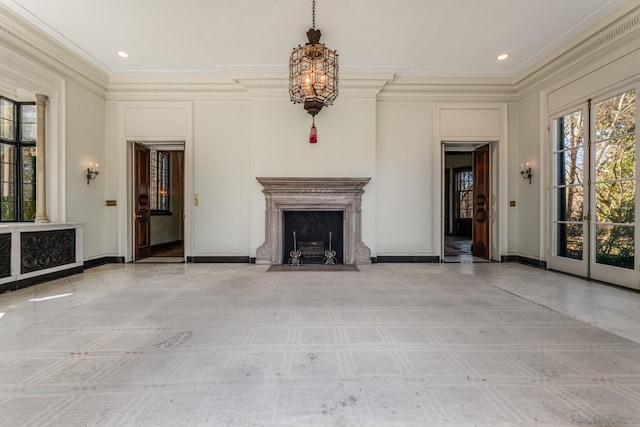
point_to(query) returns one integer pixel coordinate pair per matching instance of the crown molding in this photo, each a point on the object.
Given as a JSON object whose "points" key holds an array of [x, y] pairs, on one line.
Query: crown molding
{"points": [[202, 86], [430, 89], [161, 86], [352, 85], [614, 38], [24, 39], [611, 41]]}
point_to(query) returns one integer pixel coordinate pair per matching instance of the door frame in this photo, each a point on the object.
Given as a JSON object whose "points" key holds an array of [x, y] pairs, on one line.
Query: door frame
{"points": [[587, 267], [495, 206], [187, 190], [472, 123]]}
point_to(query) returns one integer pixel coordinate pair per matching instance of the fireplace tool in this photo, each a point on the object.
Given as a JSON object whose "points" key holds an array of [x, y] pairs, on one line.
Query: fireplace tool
{"points": [[295, 253], [329, 255]]}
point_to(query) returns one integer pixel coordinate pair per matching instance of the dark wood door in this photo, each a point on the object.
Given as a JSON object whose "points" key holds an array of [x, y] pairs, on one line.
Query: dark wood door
{"points": [[142, 223], [481, 207]]}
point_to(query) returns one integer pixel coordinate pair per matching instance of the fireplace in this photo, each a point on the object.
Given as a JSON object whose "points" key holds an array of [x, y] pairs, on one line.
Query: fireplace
{"points": [[316, 232], [341, 195]]}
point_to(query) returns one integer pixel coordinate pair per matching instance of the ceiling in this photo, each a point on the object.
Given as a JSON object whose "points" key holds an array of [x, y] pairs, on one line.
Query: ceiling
{"points": [[436, 38]]}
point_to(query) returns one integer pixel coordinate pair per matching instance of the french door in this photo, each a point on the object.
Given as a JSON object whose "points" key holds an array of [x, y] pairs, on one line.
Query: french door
{"points": [[594, 196]]}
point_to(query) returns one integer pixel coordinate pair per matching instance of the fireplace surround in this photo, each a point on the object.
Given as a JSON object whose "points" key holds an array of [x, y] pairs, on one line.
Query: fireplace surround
{"points": [[313, 194]]}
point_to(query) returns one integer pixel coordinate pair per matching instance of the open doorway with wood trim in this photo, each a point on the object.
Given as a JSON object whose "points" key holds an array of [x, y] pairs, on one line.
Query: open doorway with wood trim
{"points": [[158, 202], [466, 204]]}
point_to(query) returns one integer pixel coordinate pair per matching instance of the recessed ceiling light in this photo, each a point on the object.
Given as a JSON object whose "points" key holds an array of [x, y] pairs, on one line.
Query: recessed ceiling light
{"points": [[122, 54], [503, 56]]}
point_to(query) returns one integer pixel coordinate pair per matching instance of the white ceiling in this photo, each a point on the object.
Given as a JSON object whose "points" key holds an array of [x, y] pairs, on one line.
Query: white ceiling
{"points": [[441, 38]]}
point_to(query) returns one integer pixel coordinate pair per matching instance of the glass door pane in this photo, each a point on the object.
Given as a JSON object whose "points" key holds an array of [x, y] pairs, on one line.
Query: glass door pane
{"points": [[614, 185], [569, 192], [615, 201]]}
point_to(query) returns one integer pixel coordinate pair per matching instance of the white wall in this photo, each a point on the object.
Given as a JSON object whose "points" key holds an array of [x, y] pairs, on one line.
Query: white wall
{"points": [[84, 144], [110, 175], [528, 195], [222, 177], [405, 188]]}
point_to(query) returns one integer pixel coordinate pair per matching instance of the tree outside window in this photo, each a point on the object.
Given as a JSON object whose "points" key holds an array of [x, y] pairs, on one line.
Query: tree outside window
{"points": [[18, 130]]}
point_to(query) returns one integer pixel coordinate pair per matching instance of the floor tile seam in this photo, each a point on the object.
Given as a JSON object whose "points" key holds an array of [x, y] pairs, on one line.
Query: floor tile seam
{"points": [[52, 341], [519, 333], [440, 412], [40, 373], [628, 393], [101, 340], [112, 365], [574, 402], [623, 361], [59, 365], [499, 401], [169, 386], [459, 363], [403, 363], [148, 309], [576, 365], [499, 349], [53, 411]]}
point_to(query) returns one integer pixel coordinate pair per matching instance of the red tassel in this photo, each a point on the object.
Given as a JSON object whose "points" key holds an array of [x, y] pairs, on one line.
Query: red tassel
{"points": [[313, 134]]}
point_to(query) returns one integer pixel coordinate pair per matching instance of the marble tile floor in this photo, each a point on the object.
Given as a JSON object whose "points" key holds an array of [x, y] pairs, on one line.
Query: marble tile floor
{"points": [[389, 345]]}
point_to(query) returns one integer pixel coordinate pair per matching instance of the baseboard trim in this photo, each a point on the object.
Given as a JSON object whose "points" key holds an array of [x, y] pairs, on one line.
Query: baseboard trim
{"points": [[90, 263], [25, 283], [524, 260], [219, 259], [407, 259]]}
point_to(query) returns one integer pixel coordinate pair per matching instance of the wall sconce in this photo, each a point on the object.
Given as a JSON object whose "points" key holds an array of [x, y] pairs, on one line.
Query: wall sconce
{"points": [[526, 173], [92, 172]]}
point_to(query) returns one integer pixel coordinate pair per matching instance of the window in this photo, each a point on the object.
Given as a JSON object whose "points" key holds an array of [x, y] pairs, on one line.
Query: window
{"points": [[464, 193], [159, 176], [18, 129], [614, 181], [594, 197]]}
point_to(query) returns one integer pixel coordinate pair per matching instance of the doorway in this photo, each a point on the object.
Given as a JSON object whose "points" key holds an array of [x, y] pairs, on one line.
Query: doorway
{"points": [[158, 200], [594, 195], [466, 205]]}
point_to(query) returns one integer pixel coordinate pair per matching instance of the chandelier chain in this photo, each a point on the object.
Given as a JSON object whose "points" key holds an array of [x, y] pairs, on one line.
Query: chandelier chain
{"points": [[313, 14]]}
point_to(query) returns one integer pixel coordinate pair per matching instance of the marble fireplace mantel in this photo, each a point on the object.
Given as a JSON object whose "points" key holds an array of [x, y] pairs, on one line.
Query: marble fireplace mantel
{"points": [[313, 194]]}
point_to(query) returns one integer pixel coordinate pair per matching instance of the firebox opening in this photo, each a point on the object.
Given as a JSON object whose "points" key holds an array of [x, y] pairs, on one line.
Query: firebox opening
{"points": [[315, 233]]}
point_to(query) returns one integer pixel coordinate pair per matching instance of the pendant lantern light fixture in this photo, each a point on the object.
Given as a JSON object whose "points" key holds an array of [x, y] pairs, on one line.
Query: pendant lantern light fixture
{"points": [[313, 75]]}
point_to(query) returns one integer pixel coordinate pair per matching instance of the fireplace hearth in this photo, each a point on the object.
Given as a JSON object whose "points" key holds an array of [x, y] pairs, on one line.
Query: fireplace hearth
{"points": [[313, 196], [316, 232]]}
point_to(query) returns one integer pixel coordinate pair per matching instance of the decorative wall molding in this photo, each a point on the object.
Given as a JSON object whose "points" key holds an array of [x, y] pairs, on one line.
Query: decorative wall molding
{"points": [[23, 38], [432, 89], [604, 43], [174, 87], [30, 42]]}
